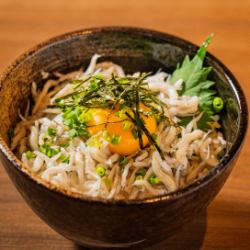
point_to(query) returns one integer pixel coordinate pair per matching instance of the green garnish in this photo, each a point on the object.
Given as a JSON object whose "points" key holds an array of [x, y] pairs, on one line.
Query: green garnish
{"points": [[185, 120], [59, 101], [85, 116], [218, 104], [123, 161], [73, 133], [100, 170], [154, 180], [115, 139], [139, 177], [195, 83], [51, 132], [93, 86], [192, 72], [106, 135], [63, 158], [83, 133], [127, 92], [107, 181], [127, 125], [49, 151], [94, 142], [30, 155], [76, 120], [141, 172]]}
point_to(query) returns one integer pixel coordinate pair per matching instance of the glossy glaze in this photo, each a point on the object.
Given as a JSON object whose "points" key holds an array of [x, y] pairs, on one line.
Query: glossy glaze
{"points": [[101, 223]]}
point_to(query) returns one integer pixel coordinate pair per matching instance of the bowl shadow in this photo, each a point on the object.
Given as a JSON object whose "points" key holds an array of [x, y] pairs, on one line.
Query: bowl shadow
{"points": [[190, 237]]}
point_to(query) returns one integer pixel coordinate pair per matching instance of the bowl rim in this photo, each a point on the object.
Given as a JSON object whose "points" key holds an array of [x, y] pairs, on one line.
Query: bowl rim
{"points": [[147, 34]]}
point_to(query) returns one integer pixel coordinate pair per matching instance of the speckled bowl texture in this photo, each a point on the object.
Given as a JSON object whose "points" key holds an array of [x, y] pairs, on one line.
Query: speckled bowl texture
{"points": [[115, 224]]}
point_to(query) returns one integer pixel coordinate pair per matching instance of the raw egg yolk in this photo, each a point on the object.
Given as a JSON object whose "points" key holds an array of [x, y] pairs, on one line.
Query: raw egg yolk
{"points": [[127, 144]]}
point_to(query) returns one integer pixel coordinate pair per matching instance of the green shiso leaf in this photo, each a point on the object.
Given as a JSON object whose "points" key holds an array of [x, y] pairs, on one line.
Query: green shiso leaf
{"points": [[195, 83]]}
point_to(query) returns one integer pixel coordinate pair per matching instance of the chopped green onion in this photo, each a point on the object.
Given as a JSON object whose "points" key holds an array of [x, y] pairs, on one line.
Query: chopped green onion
{"points": [[154, 180], [121, 113], [47, 150], [127, 125], [72, 133], [94, 86], [141, 172], [85, 117], [43, 149], [94, 142], [60, 101], [139, 177], [106, 135], [64, 159], [100, 170], [99, 76], [218, 104], [118, 113], [46, 138], [107, 181], [51, 132], [115, 139], [83, 133], [30, 155], [123, 161], [71, 117]]}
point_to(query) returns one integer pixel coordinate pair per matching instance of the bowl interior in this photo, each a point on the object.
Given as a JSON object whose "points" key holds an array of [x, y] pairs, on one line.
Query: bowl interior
{"points": [[134, 49]]}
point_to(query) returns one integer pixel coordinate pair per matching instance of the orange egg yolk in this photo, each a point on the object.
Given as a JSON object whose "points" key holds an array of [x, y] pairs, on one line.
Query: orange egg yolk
{"points": [[128, 144]]}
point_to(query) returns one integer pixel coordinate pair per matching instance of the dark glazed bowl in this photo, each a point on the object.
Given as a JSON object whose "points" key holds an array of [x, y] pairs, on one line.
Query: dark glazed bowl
{"points": [[102, 223]]}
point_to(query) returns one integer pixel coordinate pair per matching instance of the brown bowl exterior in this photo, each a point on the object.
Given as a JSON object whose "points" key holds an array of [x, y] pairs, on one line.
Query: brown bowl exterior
{"points": [[100, 223]]}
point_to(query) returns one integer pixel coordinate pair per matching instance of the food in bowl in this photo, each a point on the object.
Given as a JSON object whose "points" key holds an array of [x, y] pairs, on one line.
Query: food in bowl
{"points": [[104, 133]]}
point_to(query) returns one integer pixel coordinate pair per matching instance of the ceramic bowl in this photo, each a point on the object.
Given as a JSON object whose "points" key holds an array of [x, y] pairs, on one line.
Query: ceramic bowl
{"points": [[106, 223]]}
